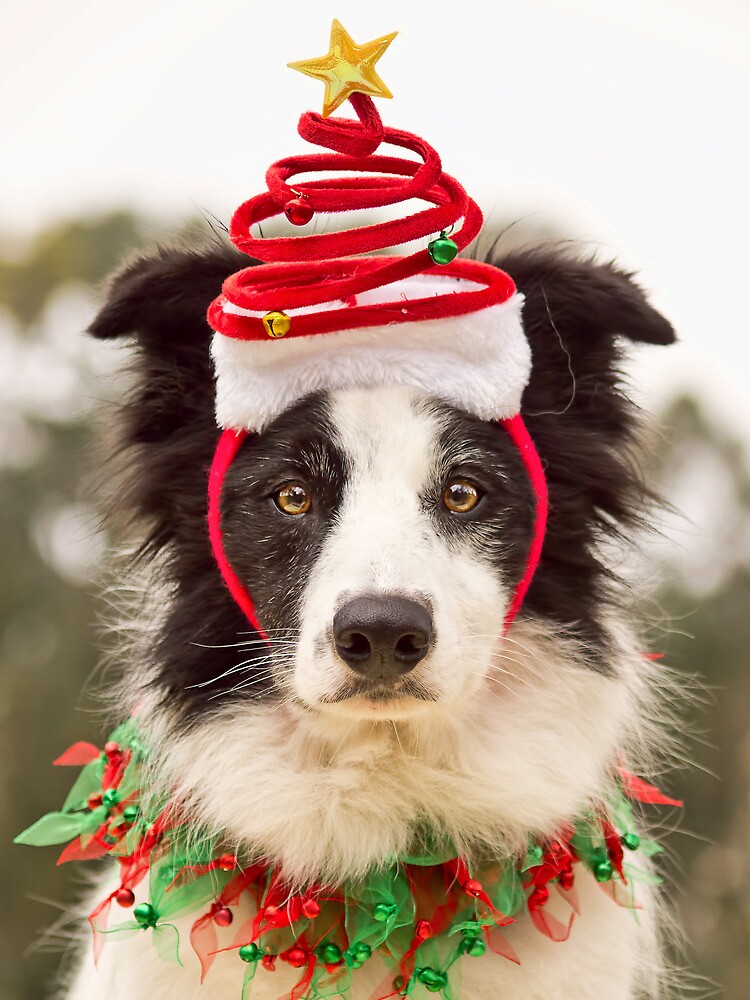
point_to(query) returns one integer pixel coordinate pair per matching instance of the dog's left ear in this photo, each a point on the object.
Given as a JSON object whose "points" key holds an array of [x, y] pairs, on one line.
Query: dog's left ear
{"points": [[574, 312], [591, 300]]}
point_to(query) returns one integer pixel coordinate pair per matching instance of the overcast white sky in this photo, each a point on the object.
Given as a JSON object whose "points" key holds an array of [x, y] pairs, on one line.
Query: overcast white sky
{"points": [[639, 108]]}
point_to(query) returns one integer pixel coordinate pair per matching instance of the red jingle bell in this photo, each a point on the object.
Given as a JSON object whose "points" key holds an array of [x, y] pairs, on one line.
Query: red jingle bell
{"points": [[296, 957], [310, 908], [539, 896], [227, 862], [566, 880], [125, 897], [223, 916], [299, 211]]}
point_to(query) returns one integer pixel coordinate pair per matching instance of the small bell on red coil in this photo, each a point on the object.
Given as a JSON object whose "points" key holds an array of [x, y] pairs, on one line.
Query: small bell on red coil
{"points": [[276, 323], [443, 249], [298, 210]]}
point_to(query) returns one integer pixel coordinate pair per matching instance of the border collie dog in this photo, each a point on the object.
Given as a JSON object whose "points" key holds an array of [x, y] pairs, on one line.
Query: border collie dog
{"points": [[381, 532]]}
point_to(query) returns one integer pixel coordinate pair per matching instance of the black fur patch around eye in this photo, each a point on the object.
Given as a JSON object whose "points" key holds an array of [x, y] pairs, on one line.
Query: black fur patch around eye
{"points": [[498, 528], [567, 586], [208, 650], [273, 552]]}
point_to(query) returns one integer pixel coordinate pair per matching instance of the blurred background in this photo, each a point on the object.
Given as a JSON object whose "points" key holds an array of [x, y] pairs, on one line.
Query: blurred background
{"points": [[620, 122]]}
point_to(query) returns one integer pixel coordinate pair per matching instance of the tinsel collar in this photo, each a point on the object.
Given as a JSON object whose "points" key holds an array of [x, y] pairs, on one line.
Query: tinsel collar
{"points": [[420, 914]]}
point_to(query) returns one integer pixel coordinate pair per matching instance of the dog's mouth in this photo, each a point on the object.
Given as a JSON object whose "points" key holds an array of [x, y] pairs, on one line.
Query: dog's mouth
{"points": [[378, 692]]}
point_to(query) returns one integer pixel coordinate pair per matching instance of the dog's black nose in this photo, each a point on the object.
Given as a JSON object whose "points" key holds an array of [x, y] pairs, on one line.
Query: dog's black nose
{"points": [[383, 636]]}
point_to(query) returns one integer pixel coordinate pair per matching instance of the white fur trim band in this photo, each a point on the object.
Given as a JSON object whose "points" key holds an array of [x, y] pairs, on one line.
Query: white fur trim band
{"points": [[479, 362]]}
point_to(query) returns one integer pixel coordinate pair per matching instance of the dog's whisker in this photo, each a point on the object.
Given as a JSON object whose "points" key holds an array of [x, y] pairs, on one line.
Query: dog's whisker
{"points": [[398, 739], [227, 673], [500, 683], [243, 685], [484, 676], [534, 655], [252, 681]]}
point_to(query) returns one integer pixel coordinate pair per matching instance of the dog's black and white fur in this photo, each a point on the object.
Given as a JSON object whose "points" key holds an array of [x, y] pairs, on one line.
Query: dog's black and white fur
{"points": [[297, 756]]}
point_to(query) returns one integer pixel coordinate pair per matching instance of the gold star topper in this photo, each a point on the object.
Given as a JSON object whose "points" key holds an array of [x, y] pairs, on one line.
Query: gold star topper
{"points": [[347, 68]]}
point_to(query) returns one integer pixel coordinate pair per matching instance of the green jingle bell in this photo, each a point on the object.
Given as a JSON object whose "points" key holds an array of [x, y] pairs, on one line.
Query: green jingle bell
{"points": [[432, 980], [110, 798], [330, 954], [442, 250], [384, 911], [357, 954], [631, 840], [474, 947], [250, 952], [130, 814], [603, 871], [146, 915]]}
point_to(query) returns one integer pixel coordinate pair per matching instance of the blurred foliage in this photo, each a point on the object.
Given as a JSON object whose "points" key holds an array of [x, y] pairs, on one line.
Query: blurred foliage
{"points": [[704, 599], [47, 615], [48, 648], [81, 250], [46, 654]]}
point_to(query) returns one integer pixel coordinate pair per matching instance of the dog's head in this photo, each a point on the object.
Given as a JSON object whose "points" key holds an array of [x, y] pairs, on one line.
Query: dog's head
{"points": [[381, 532]]}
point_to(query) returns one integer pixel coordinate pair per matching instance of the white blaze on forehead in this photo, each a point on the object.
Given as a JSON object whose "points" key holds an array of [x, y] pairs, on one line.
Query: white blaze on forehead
{"points": [[389, 435], [391, 444]]}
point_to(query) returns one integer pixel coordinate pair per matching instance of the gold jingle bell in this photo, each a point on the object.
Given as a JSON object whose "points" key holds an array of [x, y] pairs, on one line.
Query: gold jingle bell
{"points": [[276, 324]]}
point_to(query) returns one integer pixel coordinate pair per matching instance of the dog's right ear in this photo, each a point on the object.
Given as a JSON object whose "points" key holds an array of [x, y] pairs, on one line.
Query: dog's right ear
{"points": [[162, 299], [161, 302], [167, 428]]}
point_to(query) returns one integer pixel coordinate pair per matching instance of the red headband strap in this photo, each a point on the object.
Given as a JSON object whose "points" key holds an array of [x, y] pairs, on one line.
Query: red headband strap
{"points": [[520, 436], [226, 450], [229, 444]]}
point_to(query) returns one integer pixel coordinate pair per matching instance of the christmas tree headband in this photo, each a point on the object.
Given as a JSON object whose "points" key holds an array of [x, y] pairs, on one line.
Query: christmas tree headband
{"points": [[321, 315]]}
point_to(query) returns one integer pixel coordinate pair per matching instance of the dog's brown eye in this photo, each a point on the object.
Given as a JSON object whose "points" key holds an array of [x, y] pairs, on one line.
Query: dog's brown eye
{"points": [[460, 496], [293, 499]]}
